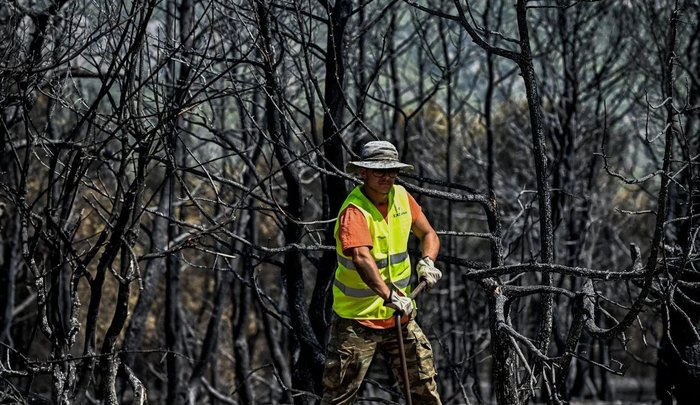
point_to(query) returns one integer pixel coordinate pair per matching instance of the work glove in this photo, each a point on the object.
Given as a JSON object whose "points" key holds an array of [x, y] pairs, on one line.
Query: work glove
{"points": [[400, 303], [427, 271]]}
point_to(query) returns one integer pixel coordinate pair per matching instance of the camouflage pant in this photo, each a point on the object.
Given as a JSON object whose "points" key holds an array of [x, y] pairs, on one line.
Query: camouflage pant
{"points": [[352, 348]]}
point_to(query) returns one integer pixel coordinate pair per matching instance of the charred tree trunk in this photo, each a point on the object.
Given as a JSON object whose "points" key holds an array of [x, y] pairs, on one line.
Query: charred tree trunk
{"points": [[152, 274], [679, 352], [173, 321], [307, 365], [546, 232], [243, 305], [335, 190], [9, 256], [281, 365], [396, 129], [210, 344]]}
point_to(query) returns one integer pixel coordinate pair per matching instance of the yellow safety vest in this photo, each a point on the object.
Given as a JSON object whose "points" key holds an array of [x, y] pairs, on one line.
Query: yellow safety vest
{"points": [[352, 298]]}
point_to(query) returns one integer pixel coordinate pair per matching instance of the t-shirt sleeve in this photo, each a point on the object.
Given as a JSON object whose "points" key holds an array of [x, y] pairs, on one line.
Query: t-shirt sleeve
{"points": [[415, 208], [353, 230]]}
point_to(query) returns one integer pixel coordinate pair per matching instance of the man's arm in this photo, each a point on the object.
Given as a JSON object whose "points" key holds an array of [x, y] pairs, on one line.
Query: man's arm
{"points": [[430, 243], [368, 271]]}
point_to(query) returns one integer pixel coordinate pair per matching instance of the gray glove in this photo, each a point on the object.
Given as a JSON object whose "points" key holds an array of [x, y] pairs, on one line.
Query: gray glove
{"points": [[426, 270], [400, 303]]}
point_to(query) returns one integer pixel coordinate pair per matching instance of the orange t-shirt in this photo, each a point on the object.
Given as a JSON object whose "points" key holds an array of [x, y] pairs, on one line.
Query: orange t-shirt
{"points": [[353, 231]]}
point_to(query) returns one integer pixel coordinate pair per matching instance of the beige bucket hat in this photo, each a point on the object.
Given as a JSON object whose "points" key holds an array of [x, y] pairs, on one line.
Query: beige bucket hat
{"points": [[378, 155]]}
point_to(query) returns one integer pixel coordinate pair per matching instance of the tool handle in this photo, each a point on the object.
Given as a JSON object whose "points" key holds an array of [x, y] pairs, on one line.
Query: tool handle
{"points": [[415, 292], [402, 350], [402, 358], [418, 289]]}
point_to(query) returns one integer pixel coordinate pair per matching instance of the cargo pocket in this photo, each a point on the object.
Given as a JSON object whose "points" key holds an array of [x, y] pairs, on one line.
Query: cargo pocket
{"points": [[424, 361], [335, 369], [426, 364]]}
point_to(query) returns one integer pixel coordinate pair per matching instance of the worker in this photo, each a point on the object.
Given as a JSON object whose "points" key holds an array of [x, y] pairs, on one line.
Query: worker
{"points": [[372, 281]]}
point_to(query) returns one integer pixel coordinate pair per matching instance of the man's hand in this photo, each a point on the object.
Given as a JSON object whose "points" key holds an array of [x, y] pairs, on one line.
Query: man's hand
{"points": [[400, 303], [427, 271]]}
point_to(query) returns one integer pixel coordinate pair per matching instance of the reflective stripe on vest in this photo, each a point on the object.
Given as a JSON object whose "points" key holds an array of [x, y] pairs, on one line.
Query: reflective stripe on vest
{"points": [[352, 298], [397, 258], [367, 292]]}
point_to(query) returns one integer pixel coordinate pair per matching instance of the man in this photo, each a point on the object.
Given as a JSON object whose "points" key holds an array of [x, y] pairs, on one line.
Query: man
{"points": [[372, 281]]}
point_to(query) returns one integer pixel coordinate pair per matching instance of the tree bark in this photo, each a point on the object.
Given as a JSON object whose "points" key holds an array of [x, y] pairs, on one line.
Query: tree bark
{"points": [[307, 366], [546, 236], [335, 190]]}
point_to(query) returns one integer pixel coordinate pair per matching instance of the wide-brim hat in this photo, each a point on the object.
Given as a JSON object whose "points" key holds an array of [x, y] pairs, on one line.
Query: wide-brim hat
{"points": [[378, 155]]}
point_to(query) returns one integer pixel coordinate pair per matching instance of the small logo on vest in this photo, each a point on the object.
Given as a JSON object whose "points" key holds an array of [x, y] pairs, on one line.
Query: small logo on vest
{"points": [[399, 212]]}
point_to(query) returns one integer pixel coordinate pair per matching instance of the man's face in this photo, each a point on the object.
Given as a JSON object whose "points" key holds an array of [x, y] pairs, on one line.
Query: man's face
{"points": [[379, 180]]}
